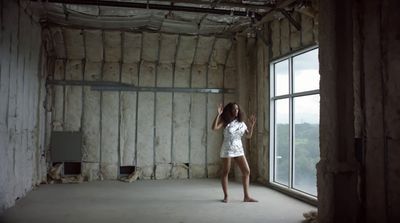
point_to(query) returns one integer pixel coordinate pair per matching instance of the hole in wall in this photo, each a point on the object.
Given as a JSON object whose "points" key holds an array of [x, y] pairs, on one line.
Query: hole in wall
{"points": [[126, 170], [72, 168]]}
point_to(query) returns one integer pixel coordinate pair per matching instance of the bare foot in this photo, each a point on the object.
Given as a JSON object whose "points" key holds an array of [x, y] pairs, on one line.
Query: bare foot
{"points": [[249, 199], [225, 200]]}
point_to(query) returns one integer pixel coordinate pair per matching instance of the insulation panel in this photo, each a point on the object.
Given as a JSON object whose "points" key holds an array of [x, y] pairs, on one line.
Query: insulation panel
{"points": [[204, 49], [112, 46], [94, 45], [109, 128], [73, 96], [145, 129], [214, 138], [182, 76], [181, 117], [164, 75], [91, 117], [132, 47], [128, 128], [163, 128], [74, 43], [186, 50], [147, 74], [150, 47], [285, 36], [168, 48]]}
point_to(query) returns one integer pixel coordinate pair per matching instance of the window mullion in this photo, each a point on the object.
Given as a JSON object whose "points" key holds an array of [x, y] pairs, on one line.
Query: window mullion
{"points": [[290, 123]]}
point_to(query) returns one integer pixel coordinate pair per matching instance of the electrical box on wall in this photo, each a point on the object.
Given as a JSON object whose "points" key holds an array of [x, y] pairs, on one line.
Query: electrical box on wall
{"points": [[65, 148]]}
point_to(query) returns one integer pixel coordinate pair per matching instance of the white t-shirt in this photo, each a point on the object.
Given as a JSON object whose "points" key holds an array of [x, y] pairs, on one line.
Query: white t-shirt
{"points": [[232, 145]]}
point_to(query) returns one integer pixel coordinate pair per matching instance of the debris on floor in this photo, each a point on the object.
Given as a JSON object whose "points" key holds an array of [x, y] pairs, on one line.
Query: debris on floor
{"points": [[132, 177], [54, 176], [55, 172], [310, 217], [72, 179]]}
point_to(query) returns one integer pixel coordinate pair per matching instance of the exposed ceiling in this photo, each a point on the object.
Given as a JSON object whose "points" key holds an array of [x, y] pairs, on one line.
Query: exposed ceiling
{"points": [[196, 17]]}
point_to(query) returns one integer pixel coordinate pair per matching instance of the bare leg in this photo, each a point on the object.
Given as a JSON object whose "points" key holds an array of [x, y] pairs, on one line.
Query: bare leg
{"points": [[226, 165], [244, 167]]}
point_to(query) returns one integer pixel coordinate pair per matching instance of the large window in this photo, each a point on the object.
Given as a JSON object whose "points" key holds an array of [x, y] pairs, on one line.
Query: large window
{"points": [[295, 121]]}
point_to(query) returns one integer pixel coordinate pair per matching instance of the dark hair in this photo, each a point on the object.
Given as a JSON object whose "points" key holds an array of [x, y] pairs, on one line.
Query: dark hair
{"points": [[228, 115]]}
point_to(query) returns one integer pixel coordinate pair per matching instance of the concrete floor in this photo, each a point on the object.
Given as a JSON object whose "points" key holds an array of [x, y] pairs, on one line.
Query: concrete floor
{"points": [[166, 201]]}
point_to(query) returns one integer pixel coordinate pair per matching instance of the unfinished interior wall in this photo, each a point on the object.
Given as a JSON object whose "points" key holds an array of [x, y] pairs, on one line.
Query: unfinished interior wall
{"points": [[142, 99], [359, 61], [21, 99], [276, 39]]}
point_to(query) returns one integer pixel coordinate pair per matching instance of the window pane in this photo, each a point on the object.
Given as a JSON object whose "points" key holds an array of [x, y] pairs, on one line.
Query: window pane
{"points": [[306, 143], [282, 78], [306, 71], [282, 141]]}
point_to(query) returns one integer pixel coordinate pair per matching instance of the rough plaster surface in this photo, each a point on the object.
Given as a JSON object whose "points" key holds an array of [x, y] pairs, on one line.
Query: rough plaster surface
{"points": [[20, 88]]}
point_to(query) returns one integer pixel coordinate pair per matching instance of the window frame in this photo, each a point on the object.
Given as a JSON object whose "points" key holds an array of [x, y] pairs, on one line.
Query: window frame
{"points": [[290, 190]]}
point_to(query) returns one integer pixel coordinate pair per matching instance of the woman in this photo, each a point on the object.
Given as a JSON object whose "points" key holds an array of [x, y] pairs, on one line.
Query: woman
{"points": [[231, 119]]}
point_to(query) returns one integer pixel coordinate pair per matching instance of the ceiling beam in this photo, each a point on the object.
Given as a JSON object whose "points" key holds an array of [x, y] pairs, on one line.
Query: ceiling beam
{"points": [[221, 3], [257, 16]]}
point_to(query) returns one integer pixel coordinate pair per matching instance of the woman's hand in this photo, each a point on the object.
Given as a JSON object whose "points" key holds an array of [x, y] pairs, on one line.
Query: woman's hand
{"points": [[220, 109], [252, 120], [218, 123]]}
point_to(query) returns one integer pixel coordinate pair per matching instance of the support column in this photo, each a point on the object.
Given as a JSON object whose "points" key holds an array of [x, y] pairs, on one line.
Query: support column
{"points": [[337, 171]]}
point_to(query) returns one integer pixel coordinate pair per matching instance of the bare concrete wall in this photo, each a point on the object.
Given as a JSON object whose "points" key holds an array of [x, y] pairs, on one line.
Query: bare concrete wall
{"points": [[166, 133], [359, 184], [22, 163]]}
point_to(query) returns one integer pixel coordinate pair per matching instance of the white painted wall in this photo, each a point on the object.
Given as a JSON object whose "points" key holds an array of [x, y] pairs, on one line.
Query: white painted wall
{"points": [[22, 162]]}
